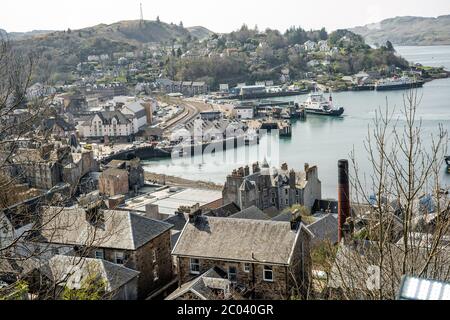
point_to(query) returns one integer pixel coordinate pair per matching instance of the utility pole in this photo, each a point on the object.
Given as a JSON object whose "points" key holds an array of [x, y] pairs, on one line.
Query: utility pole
{"points": [[142, 14]]}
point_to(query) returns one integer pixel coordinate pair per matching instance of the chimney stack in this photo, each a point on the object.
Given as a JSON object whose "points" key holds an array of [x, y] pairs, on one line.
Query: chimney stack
{"points": [[247, 171], [343, 197]]}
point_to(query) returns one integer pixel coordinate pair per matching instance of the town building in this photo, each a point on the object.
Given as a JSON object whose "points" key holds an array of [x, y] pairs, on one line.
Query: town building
{"points": [[111, 124], [187, 88], [262, 259], [58, 127], [48, 165], [134, 169], [120, 237], [244, 112], [113, 182], [72, 273], [270, 187]]}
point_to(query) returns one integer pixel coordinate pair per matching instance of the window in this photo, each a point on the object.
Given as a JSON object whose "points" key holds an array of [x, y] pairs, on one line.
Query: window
{"points": [[119, 257], [232, 273], [287, 201], [195, 266], [268, 273], [155, 274], [99, 254], [247, 267], [154, 255]]}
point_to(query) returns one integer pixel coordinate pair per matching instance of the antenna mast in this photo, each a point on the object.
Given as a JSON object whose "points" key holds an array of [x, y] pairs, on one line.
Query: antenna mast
{"points": [[142, 14]]}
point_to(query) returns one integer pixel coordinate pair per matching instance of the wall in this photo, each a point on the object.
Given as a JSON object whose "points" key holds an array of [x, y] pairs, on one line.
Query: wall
{"points": [[254, 279]]}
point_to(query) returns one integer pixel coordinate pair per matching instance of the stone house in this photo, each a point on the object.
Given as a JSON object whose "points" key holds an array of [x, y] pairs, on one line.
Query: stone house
{"points": [[135, 171], [42, 167], [120, 283], [270, 187], [120, 237], [58, 127], [262, 259], [113, 182]]}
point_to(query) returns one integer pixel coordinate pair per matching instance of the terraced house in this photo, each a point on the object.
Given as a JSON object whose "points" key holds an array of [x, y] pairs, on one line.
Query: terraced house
{"points": [[120, 237], [260, 259], [112, 124], [271, 187]]}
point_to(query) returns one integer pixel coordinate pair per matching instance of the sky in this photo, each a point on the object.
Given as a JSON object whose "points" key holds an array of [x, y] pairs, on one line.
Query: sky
{"points": [[218, 16]]}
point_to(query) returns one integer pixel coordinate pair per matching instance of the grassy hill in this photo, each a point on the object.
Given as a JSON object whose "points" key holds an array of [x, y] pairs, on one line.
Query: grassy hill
{"points": [[199, 32], [408, 31]]}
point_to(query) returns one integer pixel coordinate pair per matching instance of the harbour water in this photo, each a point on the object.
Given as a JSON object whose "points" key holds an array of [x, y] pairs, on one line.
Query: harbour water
{"points": [[323, 141]]}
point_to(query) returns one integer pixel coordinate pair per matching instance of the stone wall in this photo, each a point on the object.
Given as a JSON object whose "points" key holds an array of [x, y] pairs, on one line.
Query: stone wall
{"points": [[254, 279]]}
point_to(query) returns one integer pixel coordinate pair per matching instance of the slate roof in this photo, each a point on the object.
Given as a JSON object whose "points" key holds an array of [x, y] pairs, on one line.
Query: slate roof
{"points": [[237, 240], [107, 116], [251, 213], [284, 216], [325, 228], [120, 230], [224, 211], [199, 286], [49, 123], [73, 270], [178, 221]]}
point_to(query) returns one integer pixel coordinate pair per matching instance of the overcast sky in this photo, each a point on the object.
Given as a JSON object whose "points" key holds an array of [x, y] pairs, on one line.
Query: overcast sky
{"points": [[217, 15]]}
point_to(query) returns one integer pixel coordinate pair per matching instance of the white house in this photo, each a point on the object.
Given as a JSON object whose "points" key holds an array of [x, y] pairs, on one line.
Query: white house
{"points": [[108, 123], [244, 112], [310, 45], [93, 58], [323, 46], [136, 110]]}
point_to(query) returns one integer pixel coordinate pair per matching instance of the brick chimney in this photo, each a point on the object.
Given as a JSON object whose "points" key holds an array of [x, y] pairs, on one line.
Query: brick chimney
{"points": [[256, 168], [343, 197], [194, 213], [284, 167], [292, 179], [247, 171]]}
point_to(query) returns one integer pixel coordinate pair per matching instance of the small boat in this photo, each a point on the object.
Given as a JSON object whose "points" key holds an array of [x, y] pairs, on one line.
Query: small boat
{"points": [[317, 104]]}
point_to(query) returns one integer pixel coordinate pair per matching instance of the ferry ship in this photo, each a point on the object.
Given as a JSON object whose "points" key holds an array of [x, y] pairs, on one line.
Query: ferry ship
{"points": [[398, 84], [318, 104]]}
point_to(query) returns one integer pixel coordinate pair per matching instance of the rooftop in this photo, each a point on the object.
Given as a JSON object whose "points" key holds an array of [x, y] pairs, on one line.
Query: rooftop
{"points": [[169, 200], [237, 240], [119, 229]]}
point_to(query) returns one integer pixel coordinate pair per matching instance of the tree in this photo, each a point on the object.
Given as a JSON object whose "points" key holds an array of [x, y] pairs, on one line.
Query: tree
{"points": [[92, 288], [389, 46], [22, 223], [402, 233], [157, 19]]}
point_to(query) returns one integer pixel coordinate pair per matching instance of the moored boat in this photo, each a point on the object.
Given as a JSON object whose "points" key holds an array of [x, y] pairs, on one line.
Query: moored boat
{"points": [[319, 105], [398, 84]]}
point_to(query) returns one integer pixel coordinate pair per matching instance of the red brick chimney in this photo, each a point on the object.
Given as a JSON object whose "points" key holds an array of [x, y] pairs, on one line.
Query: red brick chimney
{"points": [[343, 197]]}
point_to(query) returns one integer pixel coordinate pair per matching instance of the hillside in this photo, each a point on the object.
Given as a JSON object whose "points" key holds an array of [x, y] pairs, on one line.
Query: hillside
{"points": [[408, 31], [200, 32]]}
